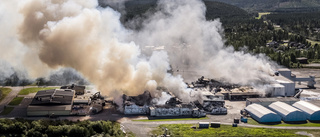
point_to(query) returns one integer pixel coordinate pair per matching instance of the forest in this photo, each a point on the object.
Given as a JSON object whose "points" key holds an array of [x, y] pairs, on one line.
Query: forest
{"points": [[282, 36]]}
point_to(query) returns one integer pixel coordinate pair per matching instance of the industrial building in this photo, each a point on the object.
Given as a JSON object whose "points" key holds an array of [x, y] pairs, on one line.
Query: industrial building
{"points": [[80, 90], [142, 105], [262, 114], [267, 101], [277, 90], [51, 102], [287, 74], [311, 111], [213, 103], [133, 109], [285, 83], [289, 86], [287, 112], [177, 110]]}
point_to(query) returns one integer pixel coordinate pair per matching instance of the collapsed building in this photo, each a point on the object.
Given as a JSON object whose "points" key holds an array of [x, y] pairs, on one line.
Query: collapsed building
{"points": [[230, 91], [143, 105], [212, 103], [137, 104], [80, 90]]}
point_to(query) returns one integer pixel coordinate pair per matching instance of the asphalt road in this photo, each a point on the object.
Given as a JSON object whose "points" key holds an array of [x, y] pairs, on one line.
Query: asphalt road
{"points": [[9, 97]]}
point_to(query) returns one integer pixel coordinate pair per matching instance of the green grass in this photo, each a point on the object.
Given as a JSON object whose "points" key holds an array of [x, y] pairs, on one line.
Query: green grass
{"points": [[185, 130], [5, 92], [174, 119], [16, 101], [282, 124], [26, 91], [262, 14], [7, 110]]}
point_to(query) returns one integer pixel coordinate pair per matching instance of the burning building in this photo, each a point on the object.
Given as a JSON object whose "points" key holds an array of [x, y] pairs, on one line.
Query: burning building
{"points": [[230, 91], [143, 105], [213, 103], [80, 90], [137, 104]]}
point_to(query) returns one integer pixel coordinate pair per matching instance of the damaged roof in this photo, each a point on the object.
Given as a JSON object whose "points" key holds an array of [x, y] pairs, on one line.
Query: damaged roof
{"points": [[53, 97]]}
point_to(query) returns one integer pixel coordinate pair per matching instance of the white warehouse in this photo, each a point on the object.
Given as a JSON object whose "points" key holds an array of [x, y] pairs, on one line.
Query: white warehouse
{"points": [[311, 111], [262, 114], [287, 112]]}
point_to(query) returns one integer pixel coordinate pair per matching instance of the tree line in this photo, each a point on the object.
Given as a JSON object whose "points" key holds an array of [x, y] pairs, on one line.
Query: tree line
{"points": [[59, 128]]}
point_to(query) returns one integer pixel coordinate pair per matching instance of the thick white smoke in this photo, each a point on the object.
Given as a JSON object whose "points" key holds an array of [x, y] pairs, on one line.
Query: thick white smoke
{"points": [[197, 44], [49, 34]]}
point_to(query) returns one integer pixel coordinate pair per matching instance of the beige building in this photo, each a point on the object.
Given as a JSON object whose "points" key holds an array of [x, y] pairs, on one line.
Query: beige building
{"points": [[56, 102]]}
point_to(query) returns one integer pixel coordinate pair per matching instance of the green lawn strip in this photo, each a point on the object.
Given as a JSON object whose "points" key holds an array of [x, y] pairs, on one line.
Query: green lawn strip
{"points": [[26, 91], [5, 92], [174, 119], [282, 124], [7, 110], [185, 130], [16, 101]]}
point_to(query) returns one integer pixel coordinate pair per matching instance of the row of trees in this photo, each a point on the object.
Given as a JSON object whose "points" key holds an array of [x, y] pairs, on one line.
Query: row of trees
{"points": [[40, 128]]}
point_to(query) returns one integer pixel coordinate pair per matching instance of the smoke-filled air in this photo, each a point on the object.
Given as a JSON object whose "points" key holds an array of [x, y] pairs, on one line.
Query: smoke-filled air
{"points": [[39, 37]]}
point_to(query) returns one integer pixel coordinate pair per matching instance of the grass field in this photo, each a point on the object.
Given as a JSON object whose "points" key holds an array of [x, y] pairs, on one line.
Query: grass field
{"points": [[262, 14], [5, 92], [185, 130], [7, 110], [282, 124], [26, 91], [174, 119], [16, 101]]}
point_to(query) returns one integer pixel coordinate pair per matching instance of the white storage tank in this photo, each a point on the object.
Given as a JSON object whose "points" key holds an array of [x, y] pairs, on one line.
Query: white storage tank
{"points": [[311, 111], [262, 114], [287, 112]]}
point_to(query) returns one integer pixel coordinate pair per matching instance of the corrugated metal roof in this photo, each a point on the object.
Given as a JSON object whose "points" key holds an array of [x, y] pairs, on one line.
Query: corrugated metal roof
{"points": [[283, 108], [253, 100], [312, 111], [258, 110], [287, 112], [306, 107], [53, 97]]}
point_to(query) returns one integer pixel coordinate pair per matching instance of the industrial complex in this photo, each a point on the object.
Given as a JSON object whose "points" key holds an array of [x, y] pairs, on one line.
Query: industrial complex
{"points": [[211, 97]]}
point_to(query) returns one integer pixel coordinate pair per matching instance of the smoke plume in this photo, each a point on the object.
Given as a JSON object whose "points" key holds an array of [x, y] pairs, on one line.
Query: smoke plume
{"points": [[49, 34]]}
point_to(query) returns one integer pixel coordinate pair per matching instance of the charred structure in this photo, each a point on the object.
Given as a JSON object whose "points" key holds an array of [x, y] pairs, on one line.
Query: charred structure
{"points": [[137, 104], [143, 105], [80, 90], [230, 91]]}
